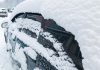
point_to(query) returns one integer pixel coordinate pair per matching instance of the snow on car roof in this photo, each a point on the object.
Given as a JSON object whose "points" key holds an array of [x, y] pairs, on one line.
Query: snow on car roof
{"points": [[81, 17], [54, 9], [26, 6]]}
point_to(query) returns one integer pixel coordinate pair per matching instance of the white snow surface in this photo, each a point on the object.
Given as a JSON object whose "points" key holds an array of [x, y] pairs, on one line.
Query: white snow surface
{"points": [[81, 17], [5, 59]]}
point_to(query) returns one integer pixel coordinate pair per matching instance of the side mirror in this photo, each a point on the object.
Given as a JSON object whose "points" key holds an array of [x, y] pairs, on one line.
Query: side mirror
{"points": [[4, 25]]}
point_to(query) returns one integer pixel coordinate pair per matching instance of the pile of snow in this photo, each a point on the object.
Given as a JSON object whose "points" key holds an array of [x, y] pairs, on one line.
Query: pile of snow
{"points": [[81, 17]]}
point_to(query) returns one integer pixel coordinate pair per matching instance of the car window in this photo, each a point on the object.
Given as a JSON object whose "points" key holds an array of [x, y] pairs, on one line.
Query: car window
{"points": [[21, 15], [22, 44], [28, 32], [36, 17]]}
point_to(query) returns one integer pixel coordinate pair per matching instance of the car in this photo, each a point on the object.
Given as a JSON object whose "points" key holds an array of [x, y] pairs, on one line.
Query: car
{"points": [[3, 12], [10, 10], [38, 43]]}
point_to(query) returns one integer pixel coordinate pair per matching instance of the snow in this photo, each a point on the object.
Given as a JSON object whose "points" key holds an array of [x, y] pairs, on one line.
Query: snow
{"points": [[20, 57], [34, 46], [81, 17], [5, 60], [37, 68]]}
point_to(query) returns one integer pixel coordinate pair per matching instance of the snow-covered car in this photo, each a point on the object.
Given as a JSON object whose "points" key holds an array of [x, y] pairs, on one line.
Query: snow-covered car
{"points": [[36, 42], [3, 12]]}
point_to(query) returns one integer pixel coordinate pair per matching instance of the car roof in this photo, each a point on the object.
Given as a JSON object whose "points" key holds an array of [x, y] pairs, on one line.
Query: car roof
{"points": [[47, 8], [25, 16], [26, 6]]}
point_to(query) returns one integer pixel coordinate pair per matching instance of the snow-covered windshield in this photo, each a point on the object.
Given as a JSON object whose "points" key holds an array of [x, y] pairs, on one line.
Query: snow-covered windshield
{"points": [[34, 26], [27, 24], [81, 17]]}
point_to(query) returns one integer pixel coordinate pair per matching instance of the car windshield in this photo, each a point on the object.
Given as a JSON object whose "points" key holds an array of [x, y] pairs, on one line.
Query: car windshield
{"points": [[21, 15], [33, 16], [36, 17]]}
